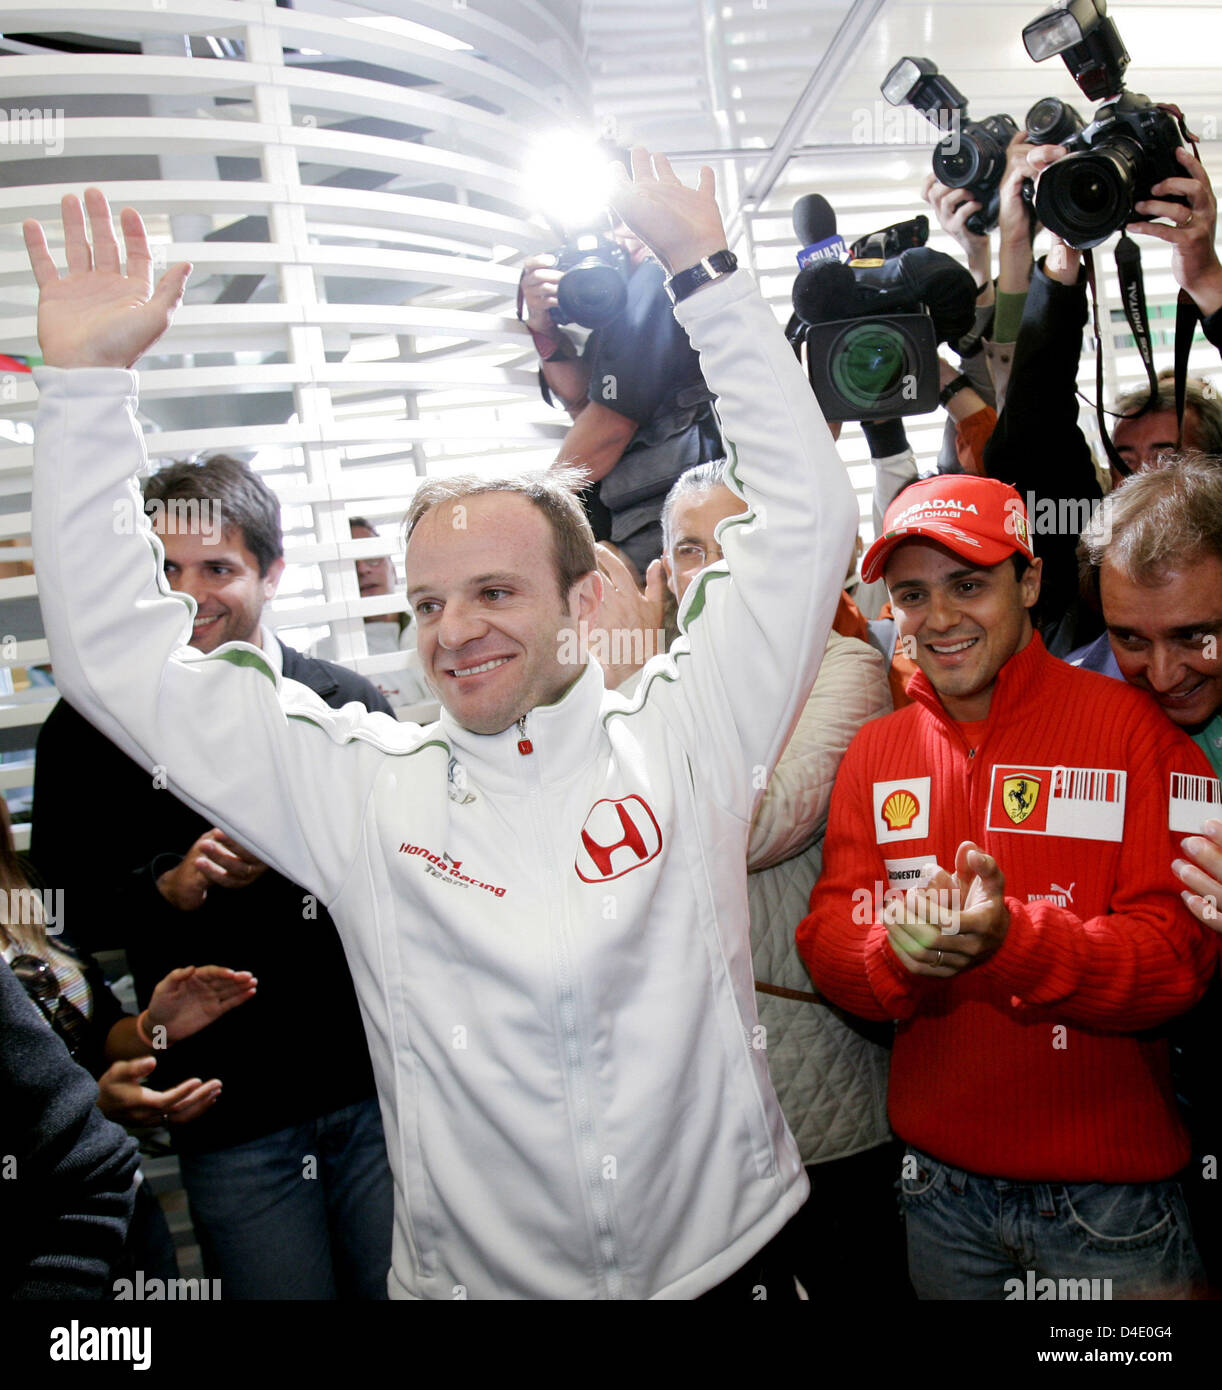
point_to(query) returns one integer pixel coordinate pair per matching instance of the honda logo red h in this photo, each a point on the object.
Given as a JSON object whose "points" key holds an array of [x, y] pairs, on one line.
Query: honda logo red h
{"points": [[617, 837]]}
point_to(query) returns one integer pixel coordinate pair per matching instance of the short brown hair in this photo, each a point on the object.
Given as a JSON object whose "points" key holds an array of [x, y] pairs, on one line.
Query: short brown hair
{"points": [[553, 491], [1156, 521], [1200, 397], [245, 501]]}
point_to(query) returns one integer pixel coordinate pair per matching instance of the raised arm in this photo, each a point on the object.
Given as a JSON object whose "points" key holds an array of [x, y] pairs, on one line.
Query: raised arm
{"points": [[732, 687], [213, 724]]}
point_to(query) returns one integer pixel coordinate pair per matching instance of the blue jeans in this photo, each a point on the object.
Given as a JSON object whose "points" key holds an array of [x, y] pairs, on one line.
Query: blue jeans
{"points": [[305, 1213], [969, 1235]]}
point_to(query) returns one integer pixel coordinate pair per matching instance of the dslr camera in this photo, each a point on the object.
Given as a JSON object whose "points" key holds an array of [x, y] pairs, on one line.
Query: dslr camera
{"points": [[973, 154], [1128, 147], [593, 288]]}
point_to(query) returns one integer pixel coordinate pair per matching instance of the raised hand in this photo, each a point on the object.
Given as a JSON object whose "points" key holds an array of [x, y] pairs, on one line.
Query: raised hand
{"points": [[952, 207], [539, 281], [193, 996], [98, 314], [1194, 257], [680, 225]]}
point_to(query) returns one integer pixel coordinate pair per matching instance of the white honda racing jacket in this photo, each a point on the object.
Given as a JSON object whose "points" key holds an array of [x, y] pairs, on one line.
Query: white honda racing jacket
{"points": [[550, 948]]}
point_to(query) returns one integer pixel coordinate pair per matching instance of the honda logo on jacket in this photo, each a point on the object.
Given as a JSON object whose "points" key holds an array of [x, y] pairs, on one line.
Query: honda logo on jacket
{"points": [[618, 836]]}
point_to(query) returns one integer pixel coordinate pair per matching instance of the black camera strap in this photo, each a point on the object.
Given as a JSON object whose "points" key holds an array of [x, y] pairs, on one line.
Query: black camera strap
{"points": [[1187, 316], [1133, 297], [1109, 448]]}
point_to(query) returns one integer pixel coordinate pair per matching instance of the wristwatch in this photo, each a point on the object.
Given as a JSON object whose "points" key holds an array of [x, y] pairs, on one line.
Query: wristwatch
{"points": [[714, 267], [953, 387]]}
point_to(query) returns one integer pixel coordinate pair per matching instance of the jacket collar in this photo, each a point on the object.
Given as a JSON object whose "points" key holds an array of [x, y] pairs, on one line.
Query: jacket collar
{"points": [[564, 738], [273, 649], [1015, 691]]}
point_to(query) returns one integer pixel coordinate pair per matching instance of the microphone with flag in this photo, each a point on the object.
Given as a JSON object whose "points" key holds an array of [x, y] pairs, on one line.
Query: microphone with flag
{"points": [[814, 224]]}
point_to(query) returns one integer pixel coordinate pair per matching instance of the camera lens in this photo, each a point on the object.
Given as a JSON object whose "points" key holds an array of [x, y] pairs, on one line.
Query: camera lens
{"points": [[869, 362], [1052, 122], [591, 294], [958, 162], [1085, 197]]}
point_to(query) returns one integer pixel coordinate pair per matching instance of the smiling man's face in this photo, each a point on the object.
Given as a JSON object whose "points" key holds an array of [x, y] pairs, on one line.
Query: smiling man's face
{"points": [[224, 580], [481, 579], [1165, 636], [965, 621]]}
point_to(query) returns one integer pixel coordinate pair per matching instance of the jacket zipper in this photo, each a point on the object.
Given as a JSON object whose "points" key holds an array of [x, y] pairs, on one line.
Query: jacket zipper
{"points": [[575, 1067]]}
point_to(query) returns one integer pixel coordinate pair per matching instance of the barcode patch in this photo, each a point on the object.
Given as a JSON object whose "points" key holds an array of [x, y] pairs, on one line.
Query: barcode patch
{"points": [[1087, 784], [1076, 803], [1194, 800]]}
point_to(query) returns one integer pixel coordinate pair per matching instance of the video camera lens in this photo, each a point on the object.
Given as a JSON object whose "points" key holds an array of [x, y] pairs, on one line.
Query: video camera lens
{"points": [[869, 362], [591, 293], [1086, 196]]}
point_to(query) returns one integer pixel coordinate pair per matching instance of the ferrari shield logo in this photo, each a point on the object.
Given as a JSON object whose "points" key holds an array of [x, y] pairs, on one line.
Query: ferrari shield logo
{"points": [[1020, 796]]}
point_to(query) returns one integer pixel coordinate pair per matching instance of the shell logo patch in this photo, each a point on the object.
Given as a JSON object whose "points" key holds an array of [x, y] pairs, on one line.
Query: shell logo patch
{"points": [[1020, 796], [901, 810]]}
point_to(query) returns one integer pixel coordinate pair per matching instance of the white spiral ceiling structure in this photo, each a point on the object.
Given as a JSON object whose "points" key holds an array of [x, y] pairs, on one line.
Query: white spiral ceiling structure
{"points": [[346, 181]]}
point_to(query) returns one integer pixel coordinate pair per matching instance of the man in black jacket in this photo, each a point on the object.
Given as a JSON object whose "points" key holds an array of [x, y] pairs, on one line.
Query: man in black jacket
{"points": [[286, 1170]]}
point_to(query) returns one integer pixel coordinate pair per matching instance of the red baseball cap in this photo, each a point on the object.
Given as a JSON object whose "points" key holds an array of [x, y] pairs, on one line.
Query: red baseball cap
{"points": [[981, 519]]}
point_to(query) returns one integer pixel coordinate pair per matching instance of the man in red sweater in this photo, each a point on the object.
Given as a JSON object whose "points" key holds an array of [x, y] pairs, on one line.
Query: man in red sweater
{"points": [[997, 878]]}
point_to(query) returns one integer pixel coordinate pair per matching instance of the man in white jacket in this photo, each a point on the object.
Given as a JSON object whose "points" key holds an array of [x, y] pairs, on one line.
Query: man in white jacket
{"points": [[542, 896]]}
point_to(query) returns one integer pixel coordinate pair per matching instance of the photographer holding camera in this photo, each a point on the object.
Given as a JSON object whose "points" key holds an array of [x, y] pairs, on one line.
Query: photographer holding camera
{"points": [[1038, 445], [641, 411]]}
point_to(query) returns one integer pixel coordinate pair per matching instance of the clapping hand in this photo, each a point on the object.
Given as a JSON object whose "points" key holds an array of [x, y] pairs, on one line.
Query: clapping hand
{"points": [[193, 996], [1201, 874], [950, 923]]}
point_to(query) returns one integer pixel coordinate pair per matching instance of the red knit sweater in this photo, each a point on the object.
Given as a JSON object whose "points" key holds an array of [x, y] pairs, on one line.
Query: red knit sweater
{"points": [[1032, 1065]]}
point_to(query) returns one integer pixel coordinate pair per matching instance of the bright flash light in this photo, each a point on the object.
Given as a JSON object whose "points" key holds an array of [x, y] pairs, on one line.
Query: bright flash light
{"points": [[566, 177]]}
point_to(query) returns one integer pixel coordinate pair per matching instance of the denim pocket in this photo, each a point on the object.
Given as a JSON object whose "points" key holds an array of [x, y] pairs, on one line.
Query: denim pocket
{"points": [[921, 1178], [1125, 1216]]}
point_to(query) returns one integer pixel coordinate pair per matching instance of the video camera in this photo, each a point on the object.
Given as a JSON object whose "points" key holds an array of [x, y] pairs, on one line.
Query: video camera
{"points": [[1128, 147], [871, 326]]}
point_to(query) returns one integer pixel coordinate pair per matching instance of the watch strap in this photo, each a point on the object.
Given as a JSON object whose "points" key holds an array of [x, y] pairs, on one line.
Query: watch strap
{"points": [[953, 387], [714, 267]]}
